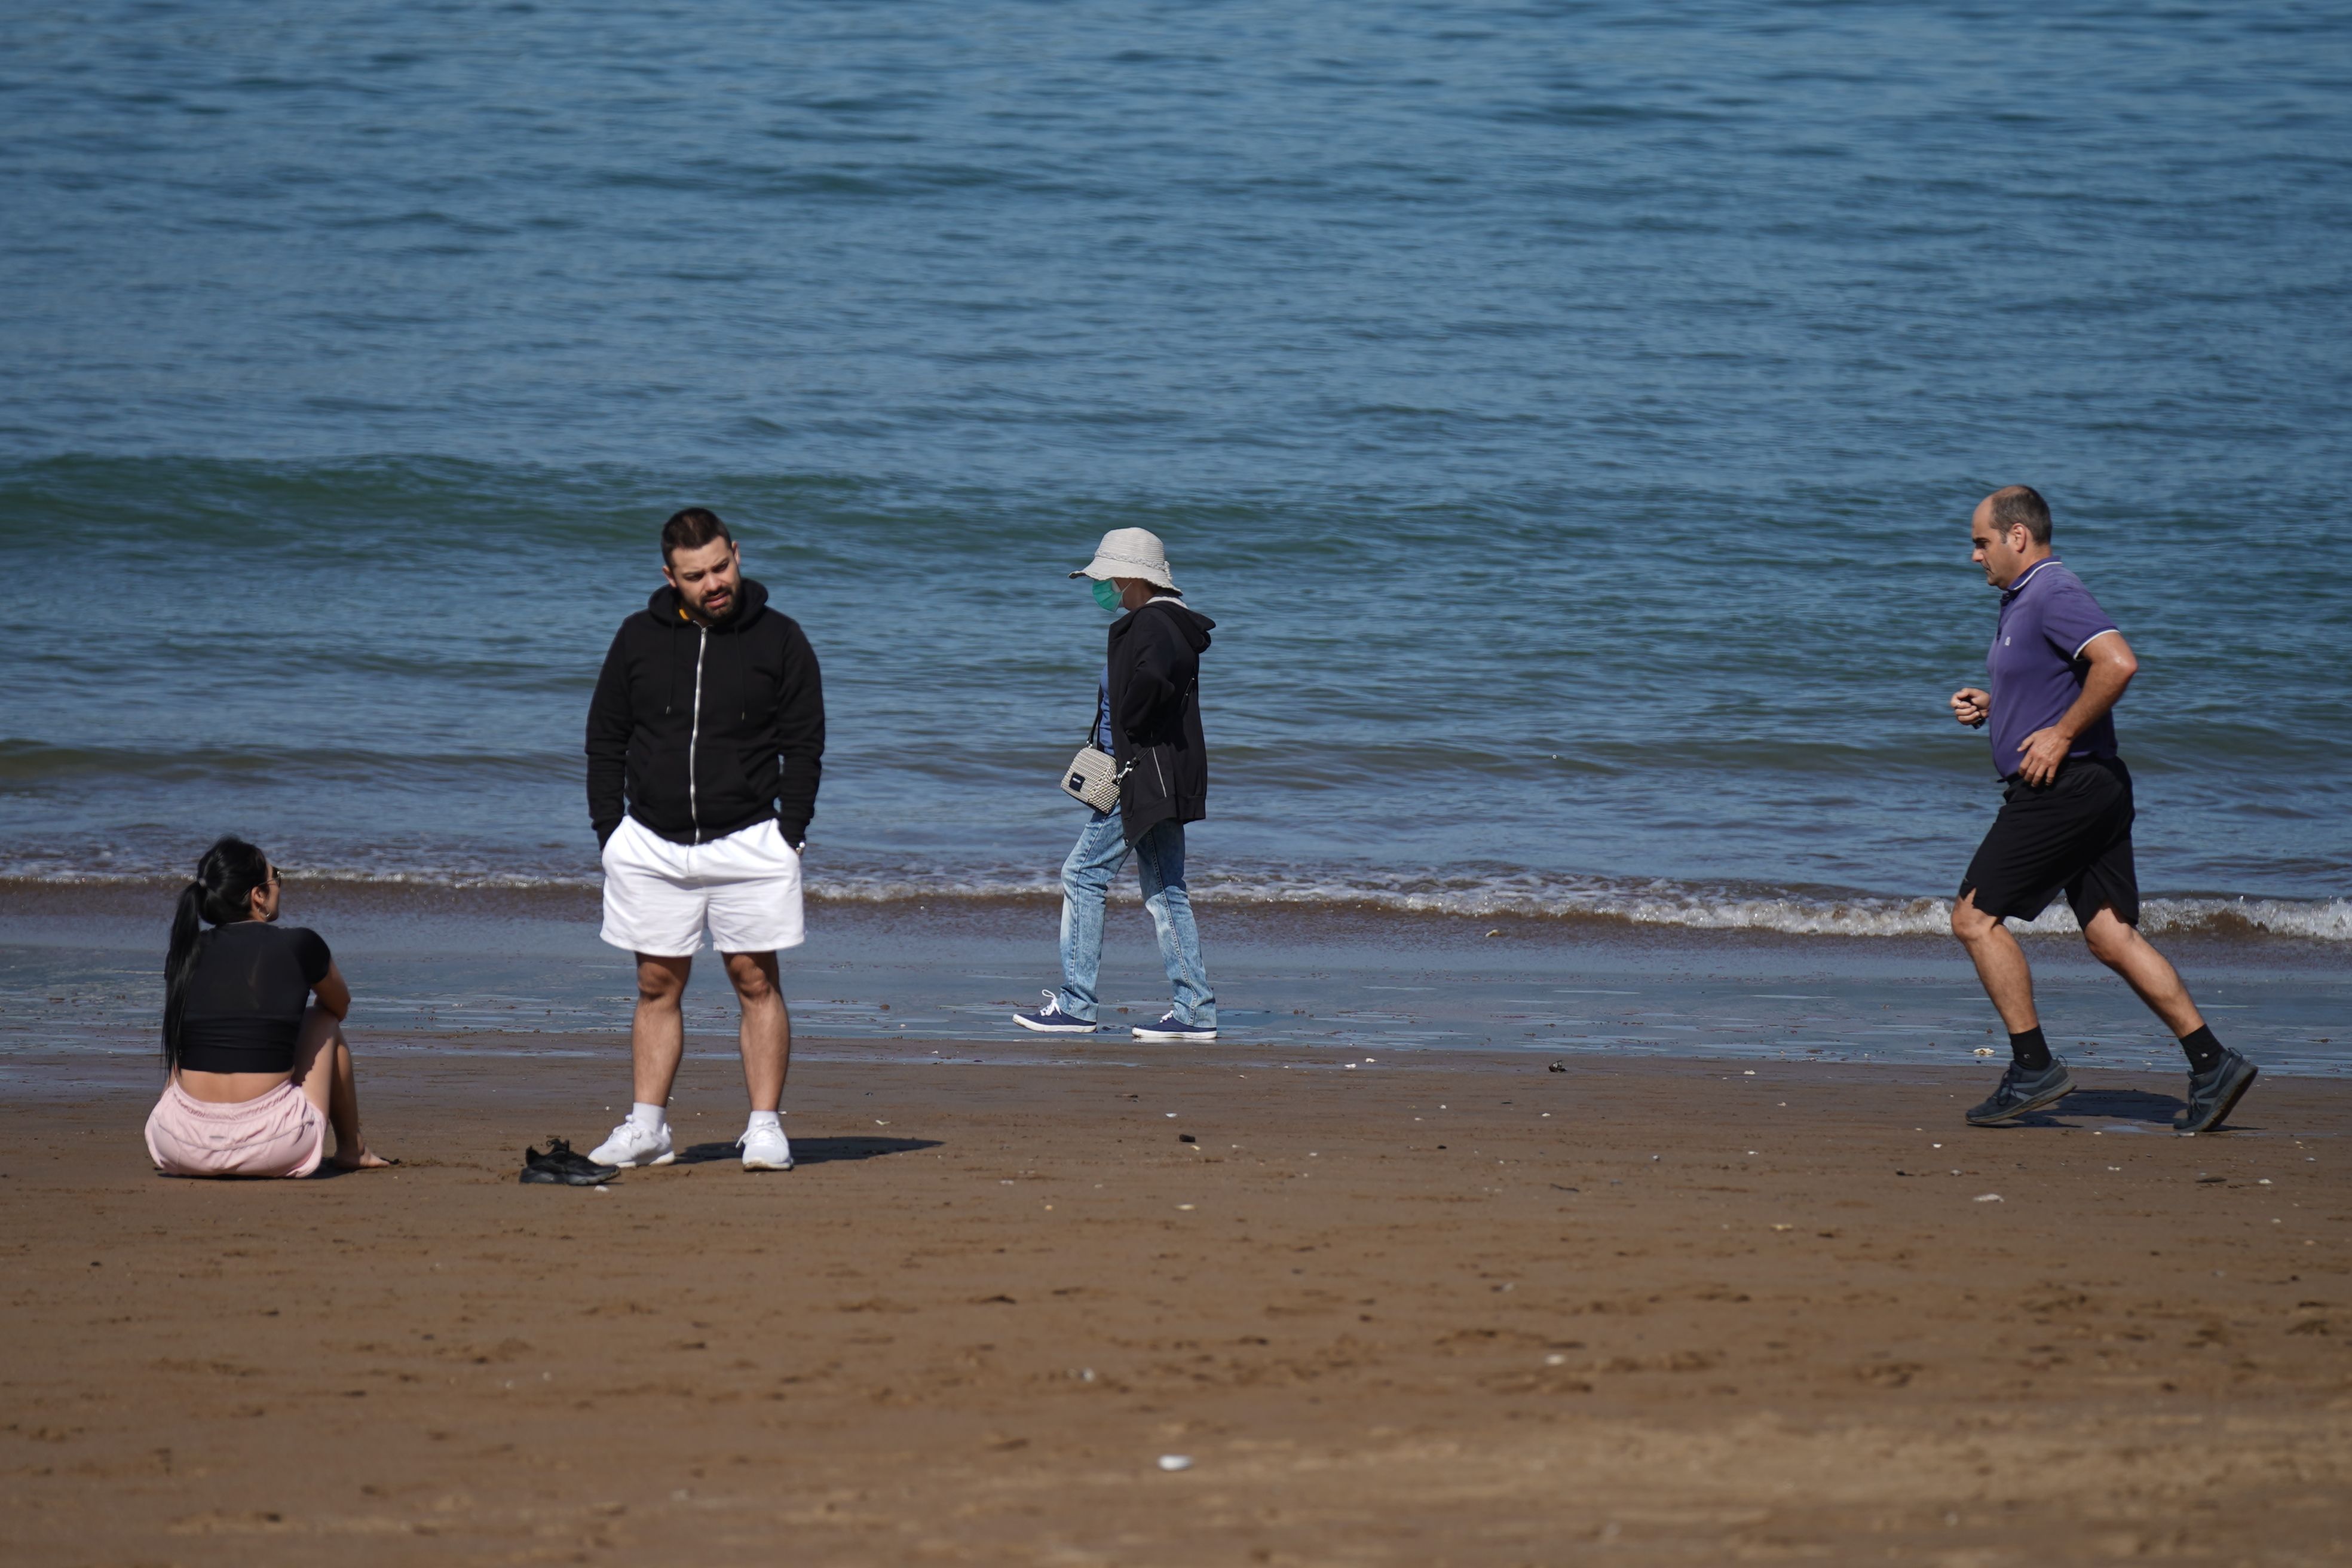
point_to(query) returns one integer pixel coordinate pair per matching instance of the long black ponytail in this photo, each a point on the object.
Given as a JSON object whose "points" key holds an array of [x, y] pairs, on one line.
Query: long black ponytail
{"points": [[222, 891]]}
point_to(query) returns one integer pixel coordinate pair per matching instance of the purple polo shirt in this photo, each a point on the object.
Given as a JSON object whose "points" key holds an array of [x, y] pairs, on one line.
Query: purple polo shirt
{"points": [[2047, 619]]}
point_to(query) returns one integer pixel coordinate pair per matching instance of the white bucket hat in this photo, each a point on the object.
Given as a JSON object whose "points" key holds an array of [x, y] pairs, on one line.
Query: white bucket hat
{"points": [[1129, 552]]}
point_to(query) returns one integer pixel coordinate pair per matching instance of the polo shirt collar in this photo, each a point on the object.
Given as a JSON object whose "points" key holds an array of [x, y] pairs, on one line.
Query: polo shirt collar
{"points": [[2014, 589]]}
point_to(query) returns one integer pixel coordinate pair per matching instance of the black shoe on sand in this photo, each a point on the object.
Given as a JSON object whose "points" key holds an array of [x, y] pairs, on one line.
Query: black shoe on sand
{"points": [[2214, 1093], [2022, 1093], [560, 1166]]}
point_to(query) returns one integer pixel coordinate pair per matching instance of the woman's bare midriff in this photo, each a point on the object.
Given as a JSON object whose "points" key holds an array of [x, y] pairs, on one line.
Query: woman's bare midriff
{"points": [[229, 1088]]}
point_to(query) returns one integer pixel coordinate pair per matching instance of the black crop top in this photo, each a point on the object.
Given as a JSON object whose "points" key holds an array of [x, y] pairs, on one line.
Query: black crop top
{"points": [[246, 999]]}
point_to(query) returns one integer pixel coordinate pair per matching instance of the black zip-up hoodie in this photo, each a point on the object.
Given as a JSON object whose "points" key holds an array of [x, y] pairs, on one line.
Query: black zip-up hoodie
{"points": [[1154, 686], [698, 731]]}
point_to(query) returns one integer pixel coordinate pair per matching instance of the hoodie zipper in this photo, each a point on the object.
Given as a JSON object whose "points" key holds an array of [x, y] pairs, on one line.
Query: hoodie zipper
{"points": [[694, 737]]}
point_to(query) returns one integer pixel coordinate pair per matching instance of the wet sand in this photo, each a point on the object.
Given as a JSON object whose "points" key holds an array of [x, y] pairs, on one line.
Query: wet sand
{"points": [[1442, 1308], [81, 963]]}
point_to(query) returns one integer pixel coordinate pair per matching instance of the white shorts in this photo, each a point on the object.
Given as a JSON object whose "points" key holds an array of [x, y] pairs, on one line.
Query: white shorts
{"points": [[659, 895]]}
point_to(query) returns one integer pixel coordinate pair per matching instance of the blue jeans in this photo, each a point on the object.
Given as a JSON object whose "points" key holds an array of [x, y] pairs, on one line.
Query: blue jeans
{"points": [[1086, 876]]}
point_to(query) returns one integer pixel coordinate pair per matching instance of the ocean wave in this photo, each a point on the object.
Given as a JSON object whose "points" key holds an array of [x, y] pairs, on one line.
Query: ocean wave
{"points": [[1809, 913], [30, 764], [1797, 912]]}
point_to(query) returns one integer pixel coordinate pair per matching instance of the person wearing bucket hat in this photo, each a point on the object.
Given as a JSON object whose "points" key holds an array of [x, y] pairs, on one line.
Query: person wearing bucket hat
{"points": [[1148, 717]]}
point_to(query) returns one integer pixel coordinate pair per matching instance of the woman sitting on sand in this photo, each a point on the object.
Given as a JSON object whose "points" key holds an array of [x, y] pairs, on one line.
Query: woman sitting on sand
{"points": [[257, 1069]]}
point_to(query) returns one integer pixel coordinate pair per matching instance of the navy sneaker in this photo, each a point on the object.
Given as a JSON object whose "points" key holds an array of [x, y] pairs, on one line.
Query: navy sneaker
{"points": [[2022, 1093], [1171, 1027], [2214, 1093], [1051, 1020]]}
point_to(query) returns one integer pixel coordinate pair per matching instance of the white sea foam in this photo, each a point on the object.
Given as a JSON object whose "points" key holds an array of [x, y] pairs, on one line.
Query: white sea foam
{"points": [[1811, 911]]}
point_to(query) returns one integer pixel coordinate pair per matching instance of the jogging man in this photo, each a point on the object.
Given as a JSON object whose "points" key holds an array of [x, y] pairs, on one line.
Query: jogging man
{"points": [[1148, 716], [2058, 666], [705, 738]]}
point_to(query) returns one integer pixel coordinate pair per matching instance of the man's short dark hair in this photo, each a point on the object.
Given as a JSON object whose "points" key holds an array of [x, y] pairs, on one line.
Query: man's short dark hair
{"points": [[698, 525], [2013, 506]]}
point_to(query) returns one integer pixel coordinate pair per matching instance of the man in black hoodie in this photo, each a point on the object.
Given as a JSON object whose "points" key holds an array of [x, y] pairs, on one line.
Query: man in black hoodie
{"points": [[1148, 716], [705, 739]]}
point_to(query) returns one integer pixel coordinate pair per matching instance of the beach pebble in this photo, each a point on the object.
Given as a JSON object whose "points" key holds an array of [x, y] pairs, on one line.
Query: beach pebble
{"points": [[1175, 1461], [1186, 1138], [1988, 1198]]}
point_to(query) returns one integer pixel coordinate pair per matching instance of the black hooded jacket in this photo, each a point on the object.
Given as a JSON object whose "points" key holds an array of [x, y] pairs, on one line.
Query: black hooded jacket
{"points": [[1155, 710], [698, 731]]}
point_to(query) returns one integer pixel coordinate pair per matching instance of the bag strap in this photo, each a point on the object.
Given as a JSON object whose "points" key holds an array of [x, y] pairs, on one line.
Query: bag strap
{"points": [[1093, 745], [1093, 722]]}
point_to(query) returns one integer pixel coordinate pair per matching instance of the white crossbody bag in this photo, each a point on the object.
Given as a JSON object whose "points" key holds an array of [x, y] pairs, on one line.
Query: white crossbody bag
{"points": [[1092, 778]]}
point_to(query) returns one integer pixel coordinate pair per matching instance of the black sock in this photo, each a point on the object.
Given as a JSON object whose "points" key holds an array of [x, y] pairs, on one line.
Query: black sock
{"points": [[2204, 1051], [2031, 1051]]}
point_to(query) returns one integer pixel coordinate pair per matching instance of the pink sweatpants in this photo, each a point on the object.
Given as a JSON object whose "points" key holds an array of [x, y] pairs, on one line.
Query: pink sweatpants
{"points": [[280, 1133]]}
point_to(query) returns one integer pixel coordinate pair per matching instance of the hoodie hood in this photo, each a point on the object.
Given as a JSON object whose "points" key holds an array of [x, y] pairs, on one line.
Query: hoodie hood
{"points": [[1192, 621], [668, 609]]}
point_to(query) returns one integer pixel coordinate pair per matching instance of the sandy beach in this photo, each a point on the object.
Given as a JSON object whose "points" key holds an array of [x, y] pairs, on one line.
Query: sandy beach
{"points": [[1565, 429], [1436, 1307]]}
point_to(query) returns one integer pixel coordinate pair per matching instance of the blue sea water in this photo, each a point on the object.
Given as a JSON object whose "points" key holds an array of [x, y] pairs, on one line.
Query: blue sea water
{"points": [[1569, 412]]}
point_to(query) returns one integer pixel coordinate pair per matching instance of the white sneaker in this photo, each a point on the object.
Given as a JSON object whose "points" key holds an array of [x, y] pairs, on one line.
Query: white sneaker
{"points": [[765, 1149], [631, 1146]]}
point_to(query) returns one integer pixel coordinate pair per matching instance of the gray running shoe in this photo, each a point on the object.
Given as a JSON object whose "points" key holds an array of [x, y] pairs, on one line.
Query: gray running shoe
{"points": [[2214, 1093], [2022, 1093]]}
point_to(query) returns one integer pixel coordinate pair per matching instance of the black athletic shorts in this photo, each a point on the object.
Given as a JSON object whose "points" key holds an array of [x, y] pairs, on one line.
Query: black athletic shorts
{"points": [[2073, 833]]}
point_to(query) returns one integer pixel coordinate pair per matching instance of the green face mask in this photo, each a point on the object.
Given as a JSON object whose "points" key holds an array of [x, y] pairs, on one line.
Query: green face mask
{"points": [[1106, 594]]}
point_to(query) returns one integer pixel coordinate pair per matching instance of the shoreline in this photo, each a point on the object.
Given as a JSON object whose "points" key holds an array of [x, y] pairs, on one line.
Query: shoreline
{"points": [[81, 969], [1461, 1309], [2220, 919]]}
